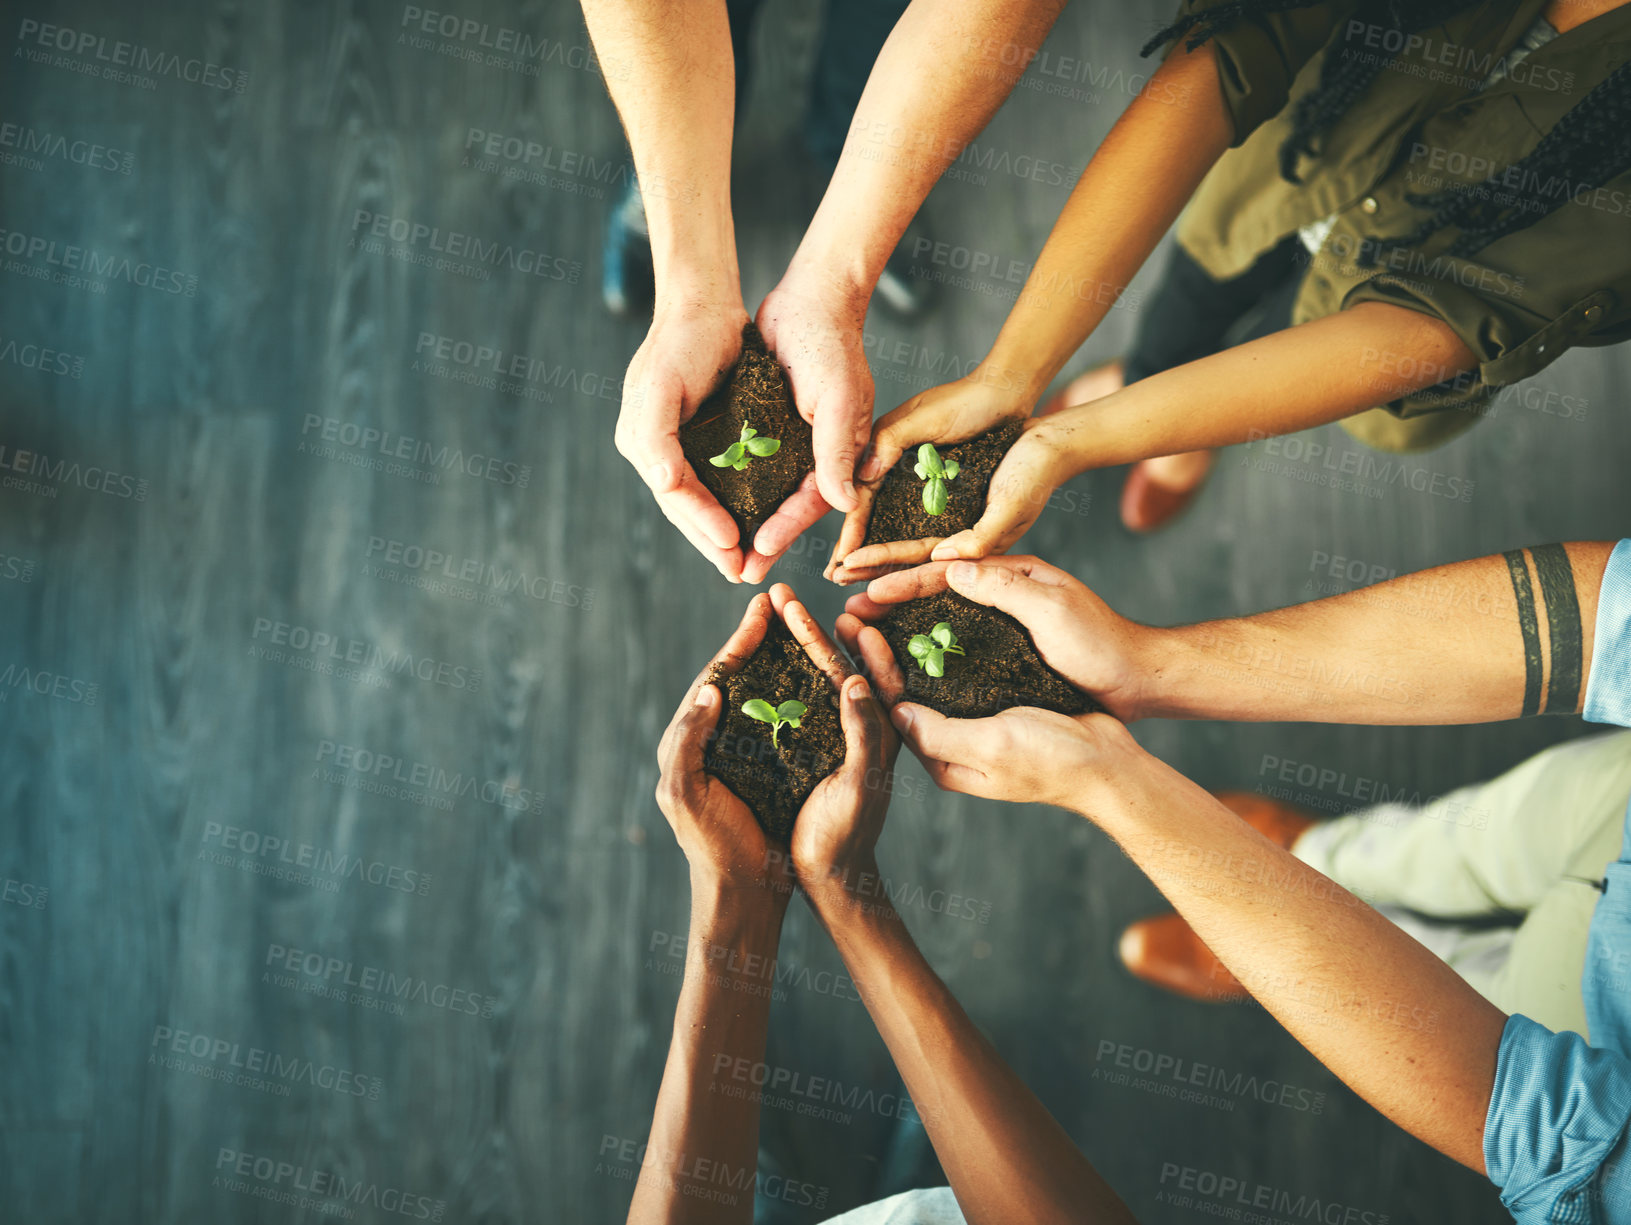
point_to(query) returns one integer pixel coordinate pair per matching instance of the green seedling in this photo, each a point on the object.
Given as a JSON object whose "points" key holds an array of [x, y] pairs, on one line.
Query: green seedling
{"points": [[930, 650], [741, 452], [788, 714], [934, 472]]}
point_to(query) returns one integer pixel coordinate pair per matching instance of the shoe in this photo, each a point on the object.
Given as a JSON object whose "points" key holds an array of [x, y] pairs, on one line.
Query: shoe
{"points": [[627, 279], [1165, 950], [1149, 501], [1094, 383], [903, 295]]}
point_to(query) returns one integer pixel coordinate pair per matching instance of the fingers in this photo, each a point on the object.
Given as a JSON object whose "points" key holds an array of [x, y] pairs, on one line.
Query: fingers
{"points": [[872, 649], [809, 635], [682, 782], [838, 429], [647, 435], [692, 499], [728, 561], [1010, 588], [931, 735], [907, 425], [802, 508], [902, 585], [744, 641], [868, 740], [981, 540], [954, 776], [853, 532], [873, 559]]}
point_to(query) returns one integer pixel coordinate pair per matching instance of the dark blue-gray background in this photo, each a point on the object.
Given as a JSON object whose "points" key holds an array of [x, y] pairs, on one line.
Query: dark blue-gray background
{"points": [[220, 633]]}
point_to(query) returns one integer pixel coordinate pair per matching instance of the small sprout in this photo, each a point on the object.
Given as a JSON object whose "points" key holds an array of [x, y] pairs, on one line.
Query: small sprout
{"points": [[788, 714], [930, 650], [742, 451], [935, 472]]}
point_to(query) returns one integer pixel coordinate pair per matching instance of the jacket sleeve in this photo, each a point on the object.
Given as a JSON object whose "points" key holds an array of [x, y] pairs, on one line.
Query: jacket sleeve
{"points": [[1523, 301], [1556, 1128], [1260, 57]]}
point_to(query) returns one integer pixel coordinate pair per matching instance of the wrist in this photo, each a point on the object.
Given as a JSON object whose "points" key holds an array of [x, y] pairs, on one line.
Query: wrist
{"points": [[843, 892], [693, 257], [838, 280], [724, 904], [1156, 662]]}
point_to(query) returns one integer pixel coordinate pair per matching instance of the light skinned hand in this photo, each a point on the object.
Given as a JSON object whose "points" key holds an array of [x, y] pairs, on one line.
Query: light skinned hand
{"points": [[816, 334], [1020, 488], [1076, 633], [675, 368]]}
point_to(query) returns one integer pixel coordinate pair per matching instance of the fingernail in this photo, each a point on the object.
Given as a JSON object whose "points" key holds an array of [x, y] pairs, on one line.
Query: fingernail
{"points": [[849, 490], [870, 468], [706, 695], [963, 573], [944, 551], [903, 716], [858, 689], [657, 475]]}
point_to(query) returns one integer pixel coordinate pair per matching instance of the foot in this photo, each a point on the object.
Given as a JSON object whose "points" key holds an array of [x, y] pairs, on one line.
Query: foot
{"points": [[1166, 951], [1158, 489], [627, 281], [1093, 384]]}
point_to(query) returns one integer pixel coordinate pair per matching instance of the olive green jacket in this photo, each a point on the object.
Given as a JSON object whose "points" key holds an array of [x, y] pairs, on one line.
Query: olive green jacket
{"points": [[1422, 124]]}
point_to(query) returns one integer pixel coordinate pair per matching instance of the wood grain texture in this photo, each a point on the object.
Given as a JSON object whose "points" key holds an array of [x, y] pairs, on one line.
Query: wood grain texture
{"points": [[518, 711]]}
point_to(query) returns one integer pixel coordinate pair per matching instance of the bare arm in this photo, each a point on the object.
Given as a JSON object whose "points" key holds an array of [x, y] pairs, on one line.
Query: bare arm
{"points": [[1491, 638], [1006, 1157]]}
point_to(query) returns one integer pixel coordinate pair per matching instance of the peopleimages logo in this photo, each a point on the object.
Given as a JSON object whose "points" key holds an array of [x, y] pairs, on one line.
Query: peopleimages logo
{"points": [[251, 1067], [1224, 1196], [285, 1182]]}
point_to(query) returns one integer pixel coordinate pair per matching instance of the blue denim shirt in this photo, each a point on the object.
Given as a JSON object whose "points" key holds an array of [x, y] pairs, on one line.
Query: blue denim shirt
{"points": [[1557, 1139]]}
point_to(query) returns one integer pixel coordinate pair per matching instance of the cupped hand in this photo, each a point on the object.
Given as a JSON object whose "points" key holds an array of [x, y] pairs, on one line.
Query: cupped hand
{"points": [[1023, 755], [838, 827], [724, 845], [1077, 634], [816, 334], [676, 366], [1020, 488]]}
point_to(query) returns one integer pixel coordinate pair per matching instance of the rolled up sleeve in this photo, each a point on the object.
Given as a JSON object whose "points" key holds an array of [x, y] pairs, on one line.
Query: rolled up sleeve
{"points": [[1521, 302], [1261, 56], [1608, 686], [1556, 1126]]}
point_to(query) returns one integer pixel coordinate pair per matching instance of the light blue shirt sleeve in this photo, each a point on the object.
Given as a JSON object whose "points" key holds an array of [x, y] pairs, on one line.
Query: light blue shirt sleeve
{"points": [[1557, 1127], [1608, 688], [936, 1206]]}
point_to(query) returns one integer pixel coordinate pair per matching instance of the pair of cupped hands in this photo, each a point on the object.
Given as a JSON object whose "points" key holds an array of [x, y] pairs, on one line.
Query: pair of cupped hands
{"points": [[1023, 754], [820, 345]]}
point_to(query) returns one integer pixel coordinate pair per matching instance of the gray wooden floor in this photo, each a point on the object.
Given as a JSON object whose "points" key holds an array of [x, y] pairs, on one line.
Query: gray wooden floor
{"points": [[227, 656]]}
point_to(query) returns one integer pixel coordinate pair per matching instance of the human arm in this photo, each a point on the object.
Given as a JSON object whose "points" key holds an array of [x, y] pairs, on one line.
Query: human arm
{"points": [[1005, 1156], [1451, 644], [672, 77], [1292, 380], [943, 72], [1395, 1023], [739, 894]]}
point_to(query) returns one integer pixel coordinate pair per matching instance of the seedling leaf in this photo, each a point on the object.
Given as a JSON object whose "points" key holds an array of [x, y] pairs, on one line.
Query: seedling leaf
{"points": [[920, 646], [942, 634], [758, 708], [935, 665], [928, 461], [741, 452], [791, 710], [934, 496], [764, 447]]}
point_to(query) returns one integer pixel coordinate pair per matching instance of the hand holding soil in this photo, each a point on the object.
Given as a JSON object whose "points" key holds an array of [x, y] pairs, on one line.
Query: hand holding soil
{"points": [[675, 368], [780, 771], [1073, 635]]}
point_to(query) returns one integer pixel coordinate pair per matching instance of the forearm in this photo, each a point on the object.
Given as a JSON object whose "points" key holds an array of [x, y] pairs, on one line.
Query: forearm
{"points": [[1395, 1023], [945, 69], [1005, 1156], [1295, 379], [676, 96], [1133, 189], [703, 1150], [1469, 642]]}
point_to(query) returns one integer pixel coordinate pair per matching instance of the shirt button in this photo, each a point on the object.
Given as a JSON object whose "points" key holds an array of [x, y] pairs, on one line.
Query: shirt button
{"points": [[1593, 314], [1368, 205]]}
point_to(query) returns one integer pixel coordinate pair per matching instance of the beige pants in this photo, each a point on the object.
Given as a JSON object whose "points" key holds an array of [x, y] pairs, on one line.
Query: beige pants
{"points": [[1527, 843]]}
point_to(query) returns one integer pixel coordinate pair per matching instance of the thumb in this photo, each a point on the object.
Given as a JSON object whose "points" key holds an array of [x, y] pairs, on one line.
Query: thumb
{"points": [[866, 734], [695, 727], [1003, 587], [835, 448]]}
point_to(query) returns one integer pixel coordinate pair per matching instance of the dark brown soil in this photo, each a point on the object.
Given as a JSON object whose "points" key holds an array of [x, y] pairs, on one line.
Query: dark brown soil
{"points": [[774, 781], [754, 392], [1001, 667], [897, 512]]}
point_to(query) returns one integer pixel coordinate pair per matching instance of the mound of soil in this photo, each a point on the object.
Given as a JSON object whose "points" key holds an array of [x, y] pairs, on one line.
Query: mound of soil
{"points": [[1001, 666], [897, 511], [774, 779], [753, 392]]}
